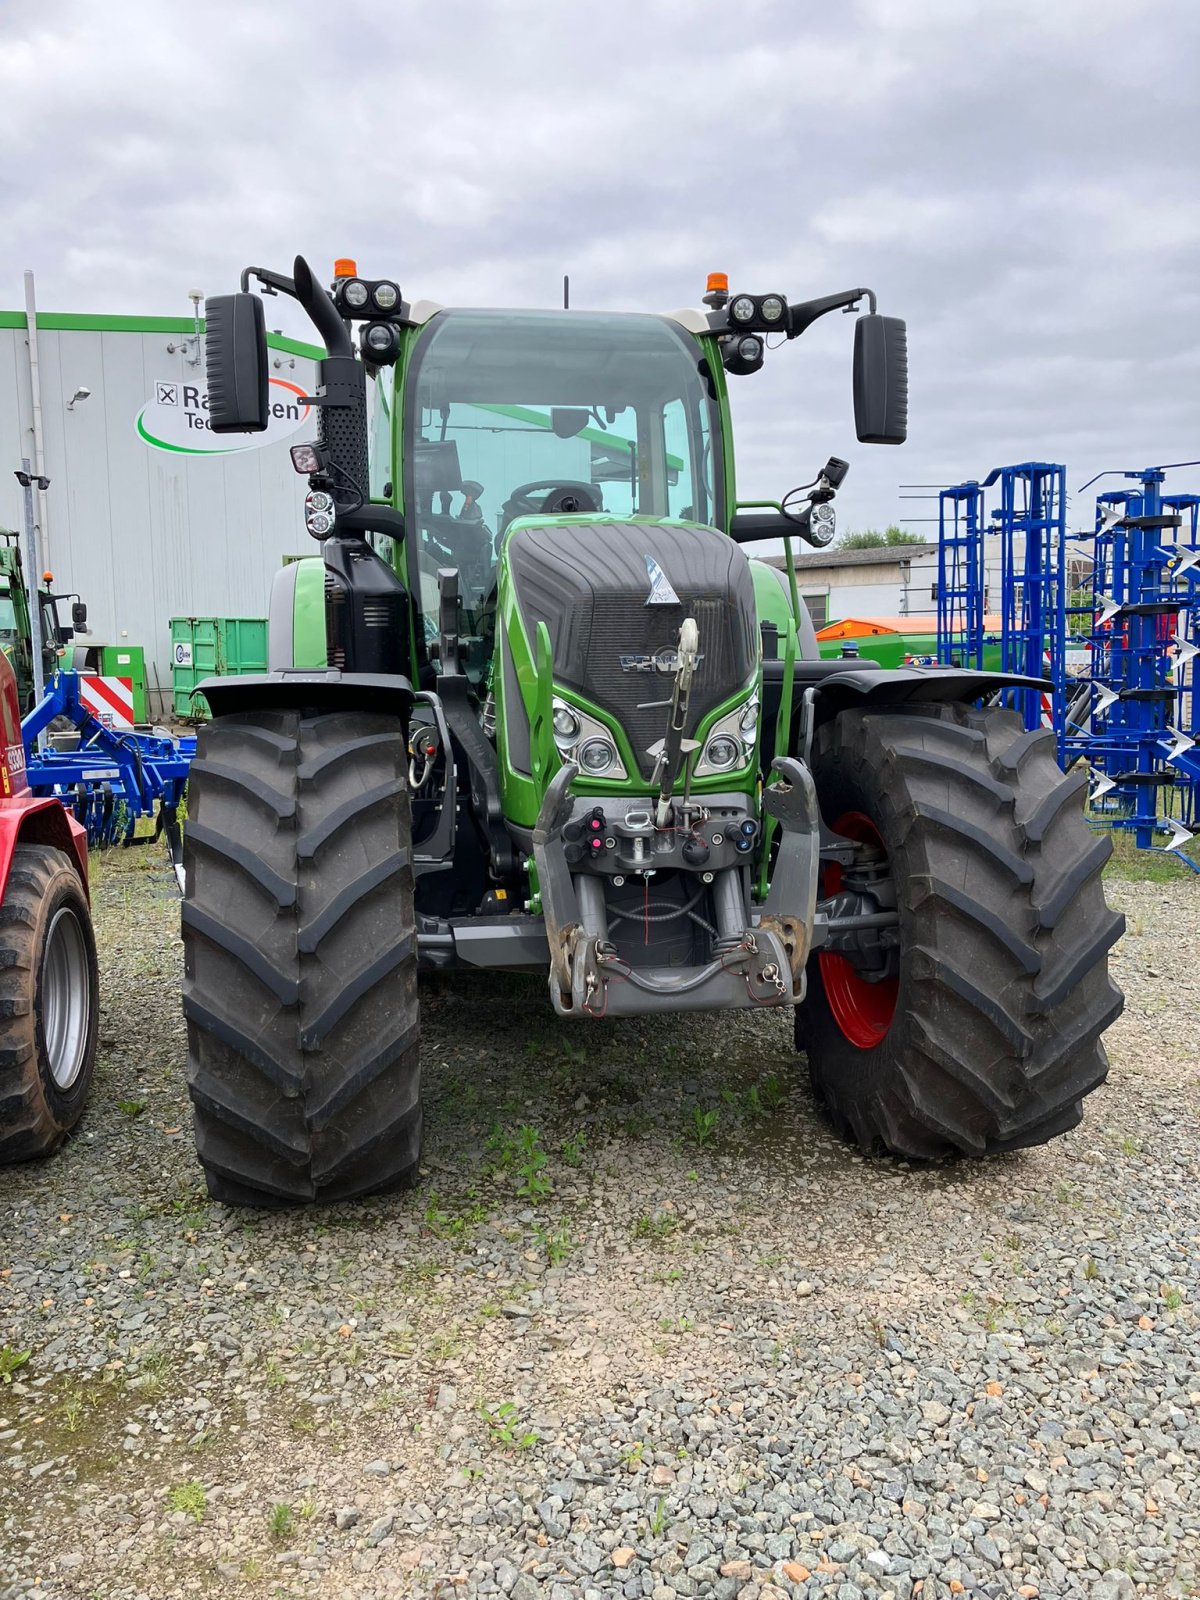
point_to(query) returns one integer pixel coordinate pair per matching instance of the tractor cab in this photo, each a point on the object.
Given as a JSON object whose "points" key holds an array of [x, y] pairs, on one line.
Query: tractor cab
{"points": [[508, 415]]}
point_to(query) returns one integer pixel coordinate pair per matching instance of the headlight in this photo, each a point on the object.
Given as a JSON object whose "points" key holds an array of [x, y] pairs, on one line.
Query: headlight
{"points": [[585, 741], [822, 525], [318, 513], [597, 756], [750, 349], [742, 309], [386, 295], [772, 308], [730, 743], [355, 293], [721, 752], [380, 338], [566, 725]]}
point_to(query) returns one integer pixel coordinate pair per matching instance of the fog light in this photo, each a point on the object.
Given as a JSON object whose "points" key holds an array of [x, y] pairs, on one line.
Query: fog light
{"points": [[772, 308], [386, 295], [597, 756], [355, 293], [742, 309]]}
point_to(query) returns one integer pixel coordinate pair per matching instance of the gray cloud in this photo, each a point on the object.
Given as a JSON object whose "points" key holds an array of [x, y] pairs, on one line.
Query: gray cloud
{"points": [[1019, 179]]}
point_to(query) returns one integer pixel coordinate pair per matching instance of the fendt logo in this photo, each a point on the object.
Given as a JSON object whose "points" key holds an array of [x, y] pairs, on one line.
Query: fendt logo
{"points": [[664, 660], [176, 419]]}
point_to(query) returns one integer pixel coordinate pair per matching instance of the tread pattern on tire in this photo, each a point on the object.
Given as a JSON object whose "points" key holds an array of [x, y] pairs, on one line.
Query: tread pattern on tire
{"points": [[300, 969], [1004, 988], [35, 1118]]}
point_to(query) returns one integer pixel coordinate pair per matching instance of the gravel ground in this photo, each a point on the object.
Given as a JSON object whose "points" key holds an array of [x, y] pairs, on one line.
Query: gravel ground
{"points": [[647, 1329]]}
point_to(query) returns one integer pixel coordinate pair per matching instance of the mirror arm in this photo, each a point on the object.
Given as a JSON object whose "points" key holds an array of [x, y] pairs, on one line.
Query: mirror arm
{"points": [[272, 282], [302, 286], [805, 312]]}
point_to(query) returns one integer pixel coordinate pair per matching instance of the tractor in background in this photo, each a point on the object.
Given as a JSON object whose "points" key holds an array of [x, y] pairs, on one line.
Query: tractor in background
{"points": [[16, 635], [533, 708]]}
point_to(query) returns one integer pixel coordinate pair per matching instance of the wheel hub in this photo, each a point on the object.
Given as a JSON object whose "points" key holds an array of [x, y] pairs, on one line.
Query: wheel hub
{"points": [[862, 989], [66, 998]]}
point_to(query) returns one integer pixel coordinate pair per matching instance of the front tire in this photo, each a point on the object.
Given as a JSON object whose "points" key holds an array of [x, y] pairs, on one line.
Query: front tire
{"points": [[300, 958], [989, 1038], [49, 1003]]}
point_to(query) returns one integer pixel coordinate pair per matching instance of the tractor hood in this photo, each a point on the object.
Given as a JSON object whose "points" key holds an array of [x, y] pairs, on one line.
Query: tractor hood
{"points": [[613, 596]]}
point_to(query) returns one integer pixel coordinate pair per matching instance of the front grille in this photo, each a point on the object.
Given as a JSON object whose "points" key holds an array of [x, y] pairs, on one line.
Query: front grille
{"points": [[624, 625], [590, 585]]}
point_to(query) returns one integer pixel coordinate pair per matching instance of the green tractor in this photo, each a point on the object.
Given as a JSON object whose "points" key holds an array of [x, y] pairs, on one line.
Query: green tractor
{"points": [[16, 634], [534, 709]]}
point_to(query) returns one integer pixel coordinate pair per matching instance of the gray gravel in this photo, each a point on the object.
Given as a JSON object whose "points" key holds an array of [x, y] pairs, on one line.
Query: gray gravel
{"points": [[750, 1365]]}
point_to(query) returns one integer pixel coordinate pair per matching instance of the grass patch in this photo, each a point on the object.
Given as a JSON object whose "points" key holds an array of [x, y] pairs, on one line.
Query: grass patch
{"points": [[188, 1497], [1128, 864]]}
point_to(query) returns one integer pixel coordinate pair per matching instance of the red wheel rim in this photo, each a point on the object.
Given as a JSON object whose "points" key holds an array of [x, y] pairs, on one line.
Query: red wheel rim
{"points": [[863, 1011]]}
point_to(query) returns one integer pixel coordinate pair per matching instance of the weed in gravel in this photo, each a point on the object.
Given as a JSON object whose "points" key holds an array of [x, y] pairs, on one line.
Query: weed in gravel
{"points": [[573, 1147], [281, 1521], [704, 1124], [504, 1425], [1091, 1268], [154, 1367], [1172, 1298], [189, 1497], [131, 1108], [658, 1517], [655, 1228], [679, 1324], [557, 1245], [11, 1360], [522, 1155]]}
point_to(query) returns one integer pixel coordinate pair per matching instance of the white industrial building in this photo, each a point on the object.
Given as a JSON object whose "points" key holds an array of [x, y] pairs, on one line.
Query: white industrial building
{"points": [[148, 514]]}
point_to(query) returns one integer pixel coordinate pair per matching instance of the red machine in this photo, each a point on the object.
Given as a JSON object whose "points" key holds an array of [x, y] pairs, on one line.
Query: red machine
{"points": [[49, 1003]]}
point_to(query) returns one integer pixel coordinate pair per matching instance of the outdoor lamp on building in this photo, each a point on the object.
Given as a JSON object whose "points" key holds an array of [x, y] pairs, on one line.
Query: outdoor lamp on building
{"points": [[80, 394]]}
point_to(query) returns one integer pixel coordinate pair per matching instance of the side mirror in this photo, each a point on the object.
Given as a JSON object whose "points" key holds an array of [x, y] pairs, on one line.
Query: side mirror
{"points": [[79, 617], [880, 380], [235, 354]]}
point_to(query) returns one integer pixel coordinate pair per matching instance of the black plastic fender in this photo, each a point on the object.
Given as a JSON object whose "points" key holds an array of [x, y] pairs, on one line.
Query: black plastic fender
{"points": [[311, 689]]}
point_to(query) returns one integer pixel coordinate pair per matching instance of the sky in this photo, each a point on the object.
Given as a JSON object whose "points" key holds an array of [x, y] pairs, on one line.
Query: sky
{"points": [[1019, 180]]}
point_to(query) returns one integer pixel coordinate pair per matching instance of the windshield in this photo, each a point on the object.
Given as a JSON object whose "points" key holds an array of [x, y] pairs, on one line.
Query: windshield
{"points": [[525, 413], [8, 617]]}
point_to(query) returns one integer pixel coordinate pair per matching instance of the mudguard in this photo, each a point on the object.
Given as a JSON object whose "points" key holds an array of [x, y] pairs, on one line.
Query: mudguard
{"points": [[300, 689]]}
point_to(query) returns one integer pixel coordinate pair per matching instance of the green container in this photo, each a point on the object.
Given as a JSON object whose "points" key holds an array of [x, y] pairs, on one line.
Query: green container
{"points": [[212, 647], [127, 661]]}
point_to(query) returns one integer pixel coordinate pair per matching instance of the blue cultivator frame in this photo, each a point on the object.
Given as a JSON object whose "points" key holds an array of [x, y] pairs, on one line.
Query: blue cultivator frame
{"points": [[1139, 728], [1134, 715], [113, 777], [960, 592]]}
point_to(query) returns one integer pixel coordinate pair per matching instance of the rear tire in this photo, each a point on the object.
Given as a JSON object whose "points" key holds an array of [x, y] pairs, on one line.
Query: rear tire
{"points": [[1003, 988], [49, 1002], [300, 958]]}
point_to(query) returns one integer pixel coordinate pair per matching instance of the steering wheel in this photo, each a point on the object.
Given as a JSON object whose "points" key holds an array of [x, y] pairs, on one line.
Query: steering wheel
{"points": [[569, 496]]}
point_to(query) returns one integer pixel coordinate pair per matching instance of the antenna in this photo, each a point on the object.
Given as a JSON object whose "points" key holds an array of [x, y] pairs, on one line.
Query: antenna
{"points": [[566, 292]]}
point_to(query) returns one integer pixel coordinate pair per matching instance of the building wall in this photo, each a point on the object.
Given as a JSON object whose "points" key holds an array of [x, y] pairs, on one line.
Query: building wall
{"points": [[142, 531], [896, 588]]}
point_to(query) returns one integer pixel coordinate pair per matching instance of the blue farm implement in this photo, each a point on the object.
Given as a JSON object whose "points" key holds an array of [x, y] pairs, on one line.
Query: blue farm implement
{"points": [[1111, 618], [106, 774]]}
